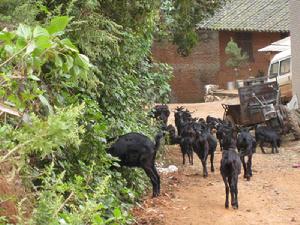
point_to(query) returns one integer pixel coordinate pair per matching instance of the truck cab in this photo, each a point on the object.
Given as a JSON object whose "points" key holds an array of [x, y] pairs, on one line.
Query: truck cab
{"points": [[280, 71]]}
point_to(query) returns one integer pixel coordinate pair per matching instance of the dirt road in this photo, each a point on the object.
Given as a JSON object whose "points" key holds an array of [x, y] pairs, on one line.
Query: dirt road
{"points": [[271, 197]]}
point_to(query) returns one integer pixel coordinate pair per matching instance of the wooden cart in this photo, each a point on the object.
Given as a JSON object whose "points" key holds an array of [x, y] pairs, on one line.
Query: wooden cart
{"points": [[259, 103]]}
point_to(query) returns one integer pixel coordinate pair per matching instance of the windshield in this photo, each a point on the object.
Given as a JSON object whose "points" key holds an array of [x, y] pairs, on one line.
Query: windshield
{"points": [[274, 70], [284, 66]]}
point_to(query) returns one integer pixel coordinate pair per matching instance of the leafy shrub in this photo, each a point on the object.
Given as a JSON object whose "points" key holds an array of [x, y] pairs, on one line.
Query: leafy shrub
{"points": [[59, 145]]}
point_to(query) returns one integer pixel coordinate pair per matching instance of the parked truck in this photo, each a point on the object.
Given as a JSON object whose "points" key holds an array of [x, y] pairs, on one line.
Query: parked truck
{"points": [[280, 71]]}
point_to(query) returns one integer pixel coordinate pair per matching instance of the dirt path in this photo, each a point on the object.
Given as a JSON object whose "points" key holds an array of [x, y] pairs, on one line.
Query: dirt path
{"points": [[271, 197]]}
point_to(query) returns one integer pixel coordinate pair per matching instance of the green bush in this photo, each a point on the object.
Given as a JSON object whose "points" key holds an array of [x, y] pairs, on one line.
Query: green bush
{"points": [[68, 110]]}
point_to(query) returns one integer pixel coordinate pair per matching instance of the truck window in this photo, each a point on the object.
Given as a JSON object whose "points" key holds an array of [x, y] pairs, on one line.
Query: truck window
{"points": [[274, 70], [285, 66]]}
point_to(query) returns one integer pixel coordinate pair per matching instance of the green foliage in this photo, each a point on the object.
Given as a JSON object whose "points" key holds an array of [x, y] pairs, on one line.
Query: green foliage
{"points": [[180, 19], [123, 36], [60, 149], [17, 11], [237, 58], [42, 137], [52, 75], [174, 20], [39, 66], [83, 200]]}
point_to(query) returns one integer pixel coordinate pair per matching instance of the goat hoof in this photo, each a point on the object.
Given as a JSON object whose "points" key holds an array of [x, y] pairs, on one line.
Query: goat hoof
{"points": [[235, 206], [226, 206], [212, 170], [154, 195], [248, 178]]}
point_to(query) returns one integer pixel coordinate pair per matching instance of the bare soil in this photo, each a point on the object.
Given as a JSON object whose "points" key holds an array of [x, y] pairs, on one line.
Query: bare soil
{"points": [[271, 197]]}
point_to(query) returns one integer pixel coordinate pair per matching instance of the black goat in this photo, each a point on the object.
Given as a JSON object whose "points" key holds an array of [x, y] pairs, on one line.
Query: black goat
{"points": [[246, 146], [204, 144], [173, 138], [212, 143], [137, 150], [187, 138], [221, 127], [264, 134], [161, 113], [230, 169], [182, 117], [212, 121]]}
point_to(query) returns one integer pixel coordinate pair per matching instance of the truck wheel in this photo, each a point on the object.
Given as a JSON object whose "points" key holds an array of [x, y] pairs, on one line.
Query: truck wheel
{"points": [[294, 123]]}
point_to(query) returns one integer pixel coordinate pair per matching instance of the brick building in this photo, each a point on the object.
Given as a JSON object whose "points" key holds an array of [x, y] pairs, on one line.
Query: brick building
{"points": [[253, 24]]}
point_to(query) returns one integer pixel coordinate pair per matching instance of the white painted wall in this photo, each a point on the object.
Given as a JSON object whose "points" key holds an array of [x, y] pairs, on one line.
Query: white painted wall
{"points": [[294, 6]]}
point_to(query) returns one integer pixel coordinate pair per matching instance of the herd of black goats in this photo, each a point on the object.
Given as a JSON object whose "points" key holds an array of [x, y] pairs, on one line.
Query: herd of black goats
{"points": [[197, 135]]}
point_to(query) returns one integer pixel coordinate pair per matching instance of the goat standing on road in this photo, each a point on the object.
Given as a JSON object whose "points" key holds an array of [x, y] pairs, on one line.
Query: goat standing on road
{"points": [[264, 134], [246, 146], [205, 144], [230, 168]]}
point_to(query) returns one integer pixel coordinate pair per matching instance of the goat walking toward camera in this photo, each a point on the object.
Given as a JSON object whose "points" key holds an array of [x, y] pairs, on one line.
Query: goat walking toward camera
{"points": [[230, 168], [246, 146]]}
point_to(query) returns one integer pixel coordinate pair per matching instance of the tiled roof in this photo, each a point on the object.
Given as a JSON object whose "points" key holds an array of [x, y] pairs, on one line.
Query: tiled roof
{"points": [[250, 15]]}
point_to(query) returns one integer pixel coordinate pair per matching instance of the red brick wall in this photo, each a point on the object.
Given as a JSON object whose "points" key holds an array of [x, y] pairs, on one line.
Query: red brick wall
{"points": [[206, 63], [261, 59], [190, 73]]}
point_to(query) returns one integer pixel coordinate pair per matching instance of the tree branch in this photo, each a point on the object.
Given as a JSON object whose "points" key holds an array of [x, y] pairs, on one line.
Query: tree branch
{"points": [[14, 55], [64, 203], [13, 150]]}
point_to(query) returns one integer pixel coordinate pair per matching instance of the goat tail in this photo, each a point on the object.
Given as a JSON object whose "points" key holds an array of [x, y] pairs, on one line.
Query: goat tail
{"points": [[157, 140]]}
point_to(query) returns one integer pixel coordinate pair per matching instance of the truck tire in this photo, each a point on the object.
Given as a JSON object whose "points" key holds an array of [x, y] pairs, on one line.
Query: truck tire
{"points": [[294, 123]]}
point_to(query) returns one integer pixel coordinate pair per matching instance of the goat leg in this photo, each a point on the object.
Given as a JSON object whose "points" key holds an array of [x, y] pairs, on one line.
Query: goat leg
{"points": [[153, 180], [273, 147], [235, 184], [276, 148], [261, 147], [191, 158], [249, 166], [244, 166], [226, 191], [212, 168], [232, 193], [221, 147], [204, 163], [157, 178]]}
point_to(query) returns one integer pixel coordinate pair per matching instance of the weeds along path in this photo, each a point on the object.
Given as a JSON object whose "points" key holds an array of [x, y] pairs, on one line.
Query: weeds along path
{"points": [[271, 197]]}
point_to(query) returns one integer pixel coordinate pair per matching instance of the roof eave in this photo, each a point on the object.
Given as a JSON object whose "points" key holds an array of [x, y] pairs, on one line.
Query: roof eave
{"points": [[240, 29]]}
